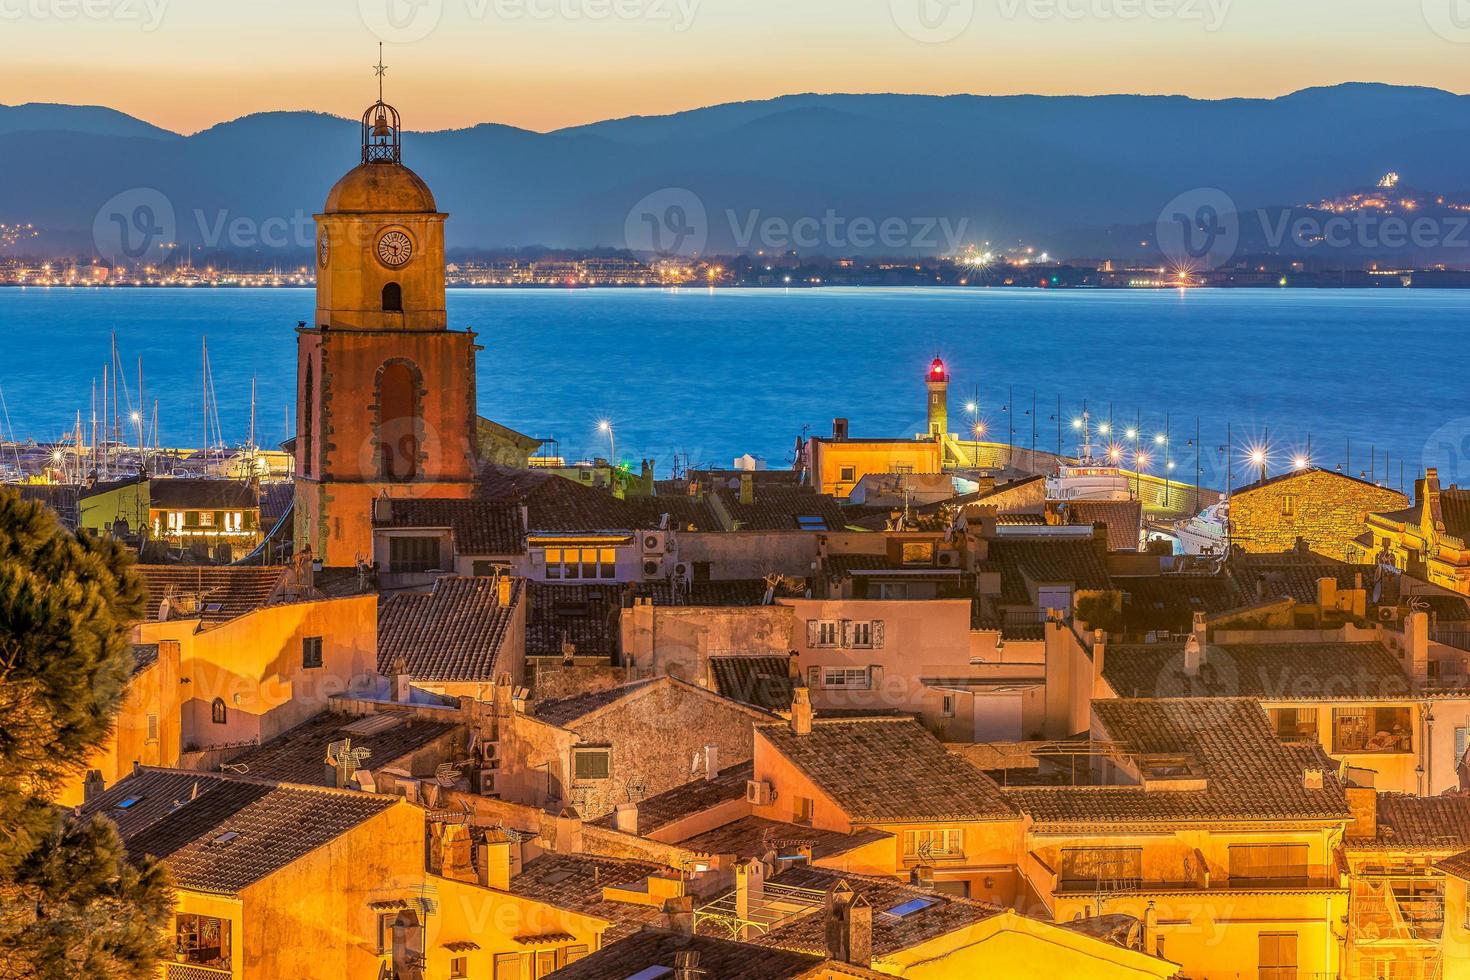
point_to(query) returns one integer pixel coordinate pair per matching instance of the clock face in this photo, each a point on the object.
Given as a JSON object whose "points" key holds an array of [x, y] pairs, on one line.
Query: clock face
{"points": [[395, 249], [324, 248]]}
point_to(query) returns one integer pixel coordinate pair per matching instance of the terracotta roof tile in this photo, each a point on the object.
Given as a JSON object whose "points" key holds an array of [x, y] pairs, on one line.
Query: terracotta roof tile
{"points": [[1249, 774], [1124, 520], [480, 527], [200, 493], [762, 681], [186, 819], [718, 958], [224, 592], [752, 837], [891, 934], [779, 507], [1459, 865], [1270, 671], [556, 504], [1043, 560], [694, 797], [889, 769], [576, 881], [585, 615], [454, 633], [1435, 823], [566, 711], [299, 755]]}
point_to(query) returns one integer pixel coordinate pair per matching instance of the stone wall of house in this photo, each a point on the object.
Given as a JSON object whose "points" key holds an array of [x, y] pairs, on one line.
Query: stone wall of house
{"points": [[656, 739], [1325, 509]]}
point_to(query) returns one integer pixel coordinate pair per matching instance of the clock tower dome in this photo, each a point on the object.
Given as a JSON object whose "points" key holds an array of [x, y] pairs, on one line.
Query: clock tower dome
{"points": [[385, 391]]}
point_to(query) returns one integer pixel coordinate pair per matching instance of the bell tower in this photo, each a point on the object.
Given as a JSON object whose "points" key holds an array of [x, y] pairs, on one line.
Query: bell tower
{"points": [[385, 391]]}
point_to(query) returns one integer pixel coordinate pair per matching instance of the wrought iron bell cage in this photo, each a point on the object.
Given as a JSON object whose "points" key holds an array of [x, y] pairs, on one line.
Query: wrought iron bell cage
{"points": [[380, 134]]}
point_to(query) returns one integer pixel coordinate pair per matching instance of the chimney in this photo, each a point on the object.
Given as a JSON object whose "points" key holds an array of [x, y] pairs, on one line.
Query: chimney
{"points": [[1260, 588], [497, 860], [1099, 660], [1194, 656], [93, 786], [1327, 593], [568, 831], [839, 430], [625, 818], [1201, 632], [678, 916], [747, 489], [750, 887], [401, 681], [1363, 803], [1151, 930], [505, 586], [455, 850], [793, 666], [711, 761], [1313, 779], [922, 876], [801, 711], [1416, 645], [849, 927]]}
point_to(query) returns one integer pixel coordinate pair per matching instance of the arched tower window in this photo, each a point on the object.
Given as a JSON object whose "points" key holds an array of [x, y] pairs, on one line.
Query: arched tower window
{"points": [[308, 420], [398, 424], [392, 298], [217, 711]]}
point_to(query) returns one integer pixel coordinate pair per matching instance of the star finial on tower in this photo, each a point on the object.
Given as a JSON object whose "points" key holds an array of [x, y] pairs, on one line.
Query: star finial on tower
{"points": [[380, 70]]}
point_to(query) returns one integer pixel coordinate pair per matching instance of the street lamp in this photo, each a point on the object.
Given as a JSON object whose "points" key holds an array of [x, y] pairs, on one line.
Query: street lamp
{"points": [[606, 428]]}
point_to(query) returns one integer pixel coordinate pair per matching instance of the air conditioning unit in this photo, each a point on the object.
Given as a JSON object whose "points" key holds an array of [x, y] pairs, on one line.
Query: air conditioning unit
{"points": [[1388, 614], [684, 571], [653, 567], [655, 544], [758, 792], [948, 559]]}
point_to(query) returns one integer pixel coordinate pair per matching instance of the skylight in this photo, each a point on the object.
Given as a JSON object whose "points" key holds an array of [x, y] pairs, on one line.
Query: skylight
{"points": [[910, 907], [129, 803], [806, 522], [226, 837], [649, 973]]}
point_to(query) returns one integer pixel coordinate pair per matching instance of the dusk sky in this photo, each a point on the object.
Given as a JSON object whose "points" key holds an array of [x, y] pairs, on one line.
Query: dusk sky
{"points": [[545, 64]]}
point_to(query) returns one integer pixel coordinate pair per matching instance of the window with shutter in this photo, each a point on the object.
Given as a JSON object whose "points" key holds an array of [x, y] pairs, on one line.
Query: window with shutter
{"points": [[812, 629], [814, 677], [877, 634], [848, 633]]}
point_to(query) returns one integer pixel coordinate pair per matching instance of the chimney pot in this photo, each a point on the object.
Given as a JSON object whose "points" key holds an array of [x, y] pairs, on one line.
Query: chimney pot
{"points": [[801, 711], [625, 818], [711, 761]]}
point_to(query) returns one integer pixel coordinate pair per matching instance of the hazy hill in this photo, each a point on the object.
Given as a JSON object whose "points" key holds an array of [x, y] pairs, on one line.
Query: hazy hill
{"points": [[1057, 170]]}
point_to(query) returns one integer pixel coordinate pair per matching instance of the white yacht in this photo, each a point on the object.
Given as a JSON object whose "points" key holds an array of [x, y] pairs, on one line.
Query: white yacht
{"points": [[1206, 533], [1088, 478]]}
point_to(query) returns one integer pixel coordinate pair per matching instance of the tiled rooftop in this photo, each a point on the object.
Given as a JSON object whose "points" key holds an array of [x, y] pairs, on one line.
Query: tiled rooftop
{"points": [[224, 592], [752, 837], [889, 770], [779, 507], [718, 959], [762, 681], [693, 797], [1434, 823], [1124, 519], [183, 818], [576, 881], [298, 756], [728, 593], [145, 655], [556, 504], [1250, 775], [1459, 865], [585, 615], [480, 527], [200, 493], [568, 710], [1043, 560], [454, 633], [891, 934], [1269, 671]]}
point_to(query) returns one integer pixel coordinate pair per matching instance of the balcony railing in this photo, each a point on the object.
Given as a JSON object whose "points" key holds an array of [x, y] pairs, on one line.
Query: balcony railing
{"points": [[1285, 878], [193, 971]]}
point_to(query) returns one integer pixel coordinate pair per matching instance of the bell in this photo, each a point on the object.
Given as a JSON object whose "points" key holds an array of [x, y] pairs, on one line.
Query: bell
{"points": [[380, 126]]}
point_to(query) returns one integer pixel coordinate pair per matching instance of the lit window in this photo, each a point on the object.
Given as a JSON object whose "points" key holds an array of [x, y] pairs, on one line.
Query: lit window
{"points": [[918, 552], [459, 966], [848, 474], [943, 842]]}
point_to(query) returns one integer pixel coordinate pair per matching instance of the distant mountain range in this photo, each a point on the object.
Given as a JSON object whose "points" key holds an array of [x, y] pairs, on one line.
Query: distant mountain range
{"points": [[1076, 175]]}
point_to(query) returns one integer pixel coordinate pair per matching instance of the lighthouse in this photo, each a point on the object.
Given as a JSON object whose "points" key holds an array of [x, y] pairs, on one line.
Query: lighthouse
{"points": [[938, 381]]}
